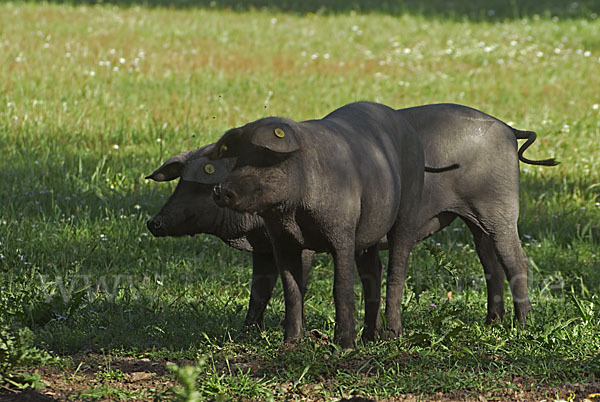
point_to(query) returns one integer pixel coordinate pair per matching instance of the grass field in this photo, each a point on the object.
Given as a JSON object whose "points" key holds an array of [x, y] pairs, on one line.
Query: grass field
{"points": [[95, 97]]}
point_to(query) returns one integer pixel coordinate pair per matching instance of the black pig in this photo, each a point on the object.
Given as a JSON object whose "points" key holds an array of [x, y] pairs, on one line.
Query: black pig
{"points": [[191, 210], [337, 185], [474, 139]]}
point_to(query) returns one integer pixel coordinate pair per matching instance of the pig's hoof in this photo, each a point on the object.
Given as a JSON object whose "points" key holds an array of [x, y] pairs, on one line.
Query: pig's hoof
{"points": [[370, 335], [393, 333], [346, 342], [287, 347], [494, 316], [522, 313], [294, 337], [253, 327]]}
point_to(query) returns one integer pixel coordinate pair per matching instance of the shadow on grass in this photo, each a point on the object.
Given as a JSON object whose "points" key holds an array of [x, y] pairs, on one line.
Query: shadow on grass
{"points": [[552, 208], [453, 9], [174, 317]]}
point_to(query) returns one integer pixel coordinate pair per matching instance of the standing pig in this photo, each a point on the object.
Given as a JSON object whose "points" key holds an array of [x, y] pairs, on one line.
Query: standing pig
{"points": [[484, 192], [474, 139], [190, 210], [336, 185]]}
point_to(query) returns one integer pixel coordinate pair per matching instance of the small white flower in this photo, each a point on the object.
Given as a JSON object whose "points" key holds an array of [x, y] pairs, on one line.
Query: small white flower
{"points": [[115, 68], [137, 206], [122, 60], [92, 73], [315, 56], [557, 51], [595, 106], [273, 21], [159, 140], [326, 56], [587, 53], [116, 146], [539, 54]]}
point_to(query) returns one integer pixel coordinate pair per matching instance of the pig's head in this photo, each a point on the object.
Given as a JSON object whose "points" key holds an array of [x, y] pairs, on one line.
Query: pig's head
{"points": [[190, 209], [267, 171]]}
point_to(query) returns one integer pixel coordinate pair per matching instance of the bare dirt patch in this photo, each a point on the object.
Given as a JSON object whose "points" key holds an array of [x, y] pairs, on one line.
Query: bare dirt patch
{"points": [[89, 378]]}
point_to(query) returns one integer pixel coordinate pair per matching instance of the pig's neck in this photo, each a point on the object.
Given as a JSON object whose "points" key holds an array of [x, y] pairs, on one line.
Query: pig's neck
{"points": [[242, 231]]}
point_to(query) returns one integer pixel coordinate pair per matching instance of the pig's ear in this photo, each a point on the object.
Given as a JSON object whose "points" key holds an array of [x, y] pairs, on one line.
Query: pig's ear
{"points": [[226, 147], [206, 171], [172, 168], [278, 137]]}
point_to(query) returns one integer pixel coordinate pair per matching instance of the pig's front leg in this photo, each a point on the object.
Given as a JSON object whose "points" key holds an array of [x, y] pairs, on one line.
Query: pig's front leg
{"points": [[289, 263], [343, 296], [264, 277]]}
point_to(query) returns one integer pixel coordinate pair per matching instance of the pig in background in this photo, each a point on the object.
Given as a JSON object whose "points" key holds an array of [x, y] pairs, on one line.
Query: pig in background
{"points": [[191, 210]]}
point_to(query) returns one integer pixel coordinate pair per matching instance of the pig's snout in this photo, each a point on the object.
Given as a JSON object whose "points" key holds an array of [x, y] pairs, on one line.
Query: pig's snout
{"points": [[157, 226], [224, 196]]}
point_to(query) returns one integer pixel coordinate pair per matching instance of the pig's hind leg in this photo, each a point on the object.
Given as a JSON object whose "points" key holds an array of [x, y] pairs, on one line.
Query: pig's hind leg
{"points": [[494, 273], [369, 268]]}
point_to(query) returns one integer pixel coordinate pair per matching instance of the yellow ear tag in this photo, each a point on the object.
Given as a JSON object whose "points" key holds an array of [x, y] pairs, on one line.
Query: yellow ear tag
{"points": [[279, 133], [223, 149], [209, 169]]}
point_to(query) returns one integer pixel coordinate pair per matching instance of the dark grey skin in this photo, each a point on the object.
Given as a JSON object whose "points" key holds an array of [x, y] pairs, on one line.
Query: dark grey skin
{"points": [[337, 185], [443, 130], [484, 192], [191, 210]]}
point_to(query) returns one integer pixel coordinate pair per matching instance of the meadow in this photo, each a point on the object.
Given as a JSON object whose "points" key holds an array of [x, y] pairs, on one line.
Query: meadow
{"points": [[94, 97]]}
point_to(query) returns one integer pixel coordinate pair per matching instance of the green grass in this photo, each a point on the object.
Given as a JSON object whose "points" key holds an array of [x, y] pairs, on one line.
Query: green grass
{"points": [[93, 98]]}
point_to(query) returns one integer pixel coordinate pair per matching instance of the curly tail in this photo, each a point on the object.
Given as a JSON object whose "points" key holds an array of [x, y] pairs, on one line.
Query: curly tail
{"points": [[530, 136]]}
